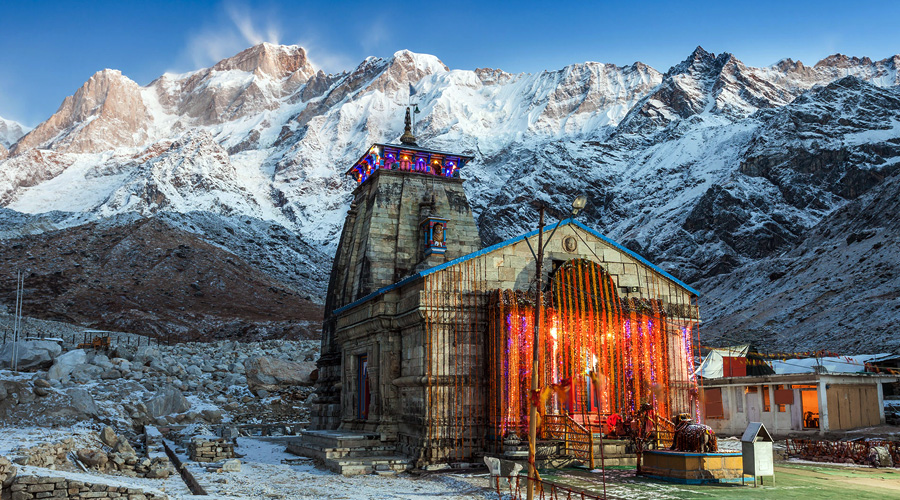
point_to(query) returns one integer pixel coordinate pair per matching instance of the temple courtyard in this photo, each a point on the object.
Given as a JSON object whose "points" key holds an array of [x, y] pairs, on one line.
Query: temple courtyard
{"points": [[268, 472]]}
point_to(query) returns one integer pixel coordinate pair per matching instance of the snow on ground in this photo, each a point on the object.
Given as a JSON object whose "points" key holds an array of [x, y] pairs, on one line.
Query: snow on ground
{"points": [[12, 438], [263, 476]]}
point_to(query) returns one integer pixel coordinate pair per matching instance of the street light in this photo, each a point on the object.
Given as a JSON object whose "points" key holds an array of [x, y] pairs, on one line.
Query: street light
{"points": [[577, 206]]}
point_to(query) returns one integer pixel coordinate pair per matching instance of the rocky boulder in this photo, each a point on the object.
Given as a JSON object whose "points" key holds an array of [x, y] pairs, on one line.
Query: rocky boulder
{"points": [[92, 458], [7, 473], [108, 436], [167, 402], [270, 374], [30, 354], [145, 354], [83, 401], [66, 363]]}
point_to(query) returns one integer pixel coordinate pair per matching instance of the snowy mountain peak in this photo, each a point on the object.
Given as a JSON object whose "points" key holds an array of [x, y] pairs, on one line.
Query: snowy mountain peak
{"points": [[841, 61], [278, 61], [699, 61], [425, 62], [10, 132], [106, 112]]}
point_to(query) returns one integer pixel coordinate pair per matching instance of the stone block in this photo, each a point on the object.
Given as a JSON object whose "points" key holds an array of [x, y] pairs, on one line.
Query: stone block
{"points": [[20, 495]]}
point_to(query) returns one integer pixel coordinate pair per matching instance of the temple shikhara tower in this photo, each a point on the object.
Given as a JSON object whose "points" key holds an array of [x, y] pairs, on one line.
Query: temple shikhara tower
{"points": [[428, 336]]}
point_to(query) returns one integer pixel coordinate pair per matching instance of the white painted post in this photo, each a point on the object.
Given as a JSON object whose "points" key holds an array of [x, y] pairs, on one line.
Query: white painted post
{"points": [[823, 406]]}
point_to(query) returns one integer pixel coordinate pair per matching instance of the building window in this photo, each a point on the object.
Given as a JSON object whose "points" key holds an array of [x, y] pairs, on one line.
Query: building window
{"points": [[739, 399], [783, 397], [714, 406], [767, 406]]}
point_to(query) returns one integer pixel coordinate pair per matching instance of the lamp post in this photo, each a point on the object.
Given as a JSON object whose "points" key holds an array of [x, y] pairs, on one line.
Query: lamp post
{"points": [[577, 206]]}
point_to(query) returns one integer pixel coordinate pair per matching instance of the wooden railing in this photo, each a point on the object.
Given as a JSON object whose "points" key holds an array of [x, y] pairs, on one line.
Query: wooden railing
{"points": [[664, 432], [578, 442]]}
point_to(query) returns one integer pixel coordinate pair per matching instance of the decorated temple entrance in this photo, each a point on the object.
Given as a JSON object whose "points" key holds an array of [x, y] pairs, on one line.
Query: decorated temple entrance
{"points": [[601, 355]]}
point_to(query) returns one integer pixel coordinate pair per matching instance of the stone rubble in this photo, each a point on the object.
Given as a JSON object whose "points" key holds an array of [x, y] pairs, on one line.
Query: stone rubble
{"points": [[128, 386], [106, 453], [210, 449]]}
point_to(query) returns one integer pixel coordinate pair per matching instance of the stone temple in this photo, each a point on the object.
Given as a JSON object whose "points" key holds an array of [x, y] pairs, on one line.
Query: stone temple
{"points": [[428, 335]]}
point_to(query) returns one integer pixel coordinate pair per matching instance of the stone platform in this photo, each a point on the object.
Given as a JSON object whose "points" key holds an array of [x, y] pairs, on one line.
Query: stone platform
{"points": [[693, 468], [349, 452]]}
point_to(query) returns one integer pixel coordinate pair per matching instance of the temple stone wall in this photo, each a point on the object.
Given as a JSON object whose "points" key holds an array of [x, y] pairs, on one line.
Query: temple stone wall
{"points": [[427, 377], [381, 244], [404, 318]]}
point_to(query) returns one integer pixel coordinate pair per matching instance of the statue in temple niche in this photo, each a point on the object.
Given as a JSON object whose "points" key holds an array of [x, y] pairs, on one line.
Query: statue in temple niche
{"points": [[437, 234]]}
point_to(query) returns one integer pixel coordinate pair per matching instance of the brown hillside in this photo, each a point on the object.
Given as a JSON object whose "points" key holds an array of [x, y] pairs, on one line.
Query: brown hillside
{"points": [[148, 277]]}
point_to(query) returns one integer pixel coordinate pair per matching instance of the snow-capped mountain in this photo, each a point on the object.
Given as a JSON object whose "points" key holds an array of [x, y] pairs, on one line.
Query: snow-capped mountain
{"points": [[10, 132], [712, 168]]}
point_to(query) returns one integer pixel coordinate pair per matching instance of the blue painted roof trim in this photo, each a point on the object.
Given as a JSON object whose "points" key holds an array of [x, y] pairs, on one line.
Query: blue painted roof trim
{"points": [[500, 245], [636, 256]]}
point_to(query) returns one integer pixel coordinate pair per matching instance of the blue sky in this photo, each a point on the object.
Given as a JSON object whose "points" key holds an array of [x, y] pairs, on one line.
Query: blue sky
{"points": [[48, 49]]}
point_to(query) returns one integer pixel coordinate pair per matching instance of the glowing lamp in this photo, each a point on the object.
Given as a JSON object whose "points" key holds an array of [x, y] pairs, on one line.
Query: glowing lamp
{"points": [[579, 204]]}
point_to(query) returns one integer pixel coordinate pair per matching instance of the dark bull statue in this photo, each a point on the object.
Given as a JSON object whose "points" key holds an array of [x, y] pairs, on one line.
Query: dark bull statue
{"points": [[697, 438]]}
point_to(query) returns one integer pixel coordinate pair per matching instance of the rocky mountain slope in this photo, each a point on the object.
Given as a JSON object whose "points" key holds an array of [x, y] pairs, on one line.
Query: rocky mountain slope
{"points": [[712, 168], [130, 273]]}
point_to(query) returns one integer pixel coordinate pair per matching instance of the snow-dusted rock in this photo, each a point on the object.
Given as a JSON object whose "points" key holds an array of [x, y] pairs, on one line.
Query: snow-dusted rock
{"points": [[84, 373], [93, 458], [233, 465], [145, 354], [159, 365], [30, 354], [212, 416], [65, 363], [83, 401], [109, 437], [268, 373], [101, 360], [169, 401]]}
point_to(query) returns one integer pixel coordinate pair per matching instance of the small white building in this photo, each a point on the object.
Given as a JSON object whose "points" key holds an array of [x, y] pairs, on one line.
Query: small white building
{"points": [[795, 403]]}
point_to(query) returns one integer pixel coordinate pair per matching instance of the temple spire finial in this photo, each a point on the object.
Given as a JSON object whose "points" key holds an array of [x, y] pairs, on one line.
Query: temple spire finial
{"points": [[408, 137]]}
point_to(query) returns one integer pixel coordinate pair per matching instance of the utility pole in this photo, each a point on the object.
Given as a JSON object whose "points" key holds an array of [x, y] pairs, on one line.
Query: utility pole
{"points": [[17, 320], [577, 206], [532, 419]]}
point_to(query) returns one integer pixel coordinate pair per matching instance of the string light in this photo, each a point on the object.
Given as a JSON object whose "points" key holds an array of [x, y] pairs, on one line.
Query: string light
{"points": [[622, 344]]}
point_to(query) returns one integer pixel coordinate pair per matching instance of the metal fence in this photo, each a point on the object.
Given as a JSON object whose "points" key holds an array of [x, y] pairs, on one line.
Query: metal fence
{"points": [[85, 337], [514, 488]]}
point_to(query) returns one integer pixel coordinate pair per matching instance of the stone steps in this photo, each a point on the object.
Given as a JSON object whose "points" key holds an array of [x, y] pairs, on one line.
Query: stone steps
{"points": [[327, 453], [350, 453], [382, 465]]}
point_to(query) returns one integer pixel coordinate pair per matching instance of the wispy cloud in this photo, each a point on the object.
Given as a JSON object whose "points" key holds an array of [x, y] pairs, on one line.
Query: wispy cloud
{"points": [[239, 28]]}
